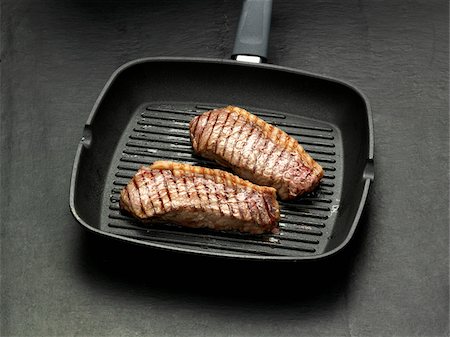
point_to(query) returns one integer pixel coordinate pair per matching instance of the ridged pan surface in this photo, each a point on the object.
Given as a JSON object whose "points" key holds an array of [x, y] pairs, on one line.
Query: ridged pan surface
{"points": [[160, 131]]}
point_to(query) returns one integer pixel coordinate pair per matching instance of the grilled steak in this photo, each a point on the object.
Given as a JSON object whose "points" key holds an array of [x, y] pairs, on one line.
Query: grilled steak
{"points": [[195, 196], [255, 150]]}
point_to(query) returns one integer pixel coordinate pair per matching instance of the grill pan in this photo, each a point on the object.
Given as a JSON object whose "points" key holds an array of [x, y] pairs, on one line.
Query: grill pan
{"points": [[142, 115]]}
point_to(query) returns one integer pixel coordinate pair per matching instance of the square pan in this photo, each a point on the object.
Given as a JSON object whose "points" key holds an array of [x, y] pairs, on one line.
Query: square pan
{"points": [[142, 115]]}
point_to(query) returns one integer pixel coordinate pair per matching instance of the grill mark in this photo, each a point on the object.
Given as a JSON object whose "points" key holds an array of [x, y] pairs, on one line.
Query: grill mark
{"points": [[219, 131], [151, 194], [274, 175], [214, 136], [242, 158], [148, 210], [242, 204], [275, 134], [229, 136], [172, 189], [202, 133], [234, 205], [181, 201], [231, 205], [201, 192], [220, 189], [194, 132], [191, 125], [286, 183], [159, 188], [131, 196], [139, 195], [200, 125], [259, 151], [230, 193], [145, 180], [185, 201], [247, 129], [270, 168], [254, 213], [127, 201], [287, 162], [232, 144], [168, 190], [212, 194], [199, 130], [192, 192], [294, 187], [269, 208], [309, 176], [284, 144], [264, 213], [216, 115], [237, 203], [255, 150], [248, 149], [128, 204], [290, 143], [264, 158]]}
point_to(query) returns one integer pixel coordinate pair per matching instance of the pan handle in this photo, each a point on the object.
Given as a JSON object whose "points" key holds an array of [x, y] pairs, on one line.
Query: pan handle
{"points": [[252, 36]]}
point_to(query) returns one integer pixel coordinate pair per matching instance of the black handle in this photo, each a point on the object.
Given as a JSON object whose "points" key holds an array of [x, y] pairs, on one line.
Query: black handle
{"points": [[252, 37]]}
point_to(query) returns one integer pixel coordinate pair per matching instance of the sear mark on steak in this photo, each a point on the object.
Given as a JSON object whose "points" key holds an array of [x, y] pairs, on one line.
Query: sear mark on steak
{"points": [[255, 150], [199, 197]]}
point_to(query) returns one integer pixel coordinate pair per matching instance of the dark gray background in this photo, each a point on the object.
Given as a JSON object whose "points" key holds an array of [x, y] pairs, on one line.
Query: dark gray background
{"points": [[58, 280]]}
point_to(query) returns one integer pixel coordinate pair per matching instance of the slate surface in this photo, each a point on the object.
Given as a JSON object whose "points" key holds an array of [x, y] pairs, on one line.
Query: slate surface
{"points": [[57, 279]]}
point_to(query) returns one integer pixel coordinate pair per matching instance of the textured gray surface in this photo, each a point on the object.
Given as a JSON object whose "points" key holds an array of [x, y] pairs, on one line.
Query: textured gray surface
{"points": [[58, 280]]}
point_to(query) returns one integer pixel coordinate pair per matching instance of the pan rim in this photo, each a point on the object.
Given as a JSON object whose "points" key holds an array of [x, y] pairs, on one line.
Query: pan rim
{"points": [[368, 179]]}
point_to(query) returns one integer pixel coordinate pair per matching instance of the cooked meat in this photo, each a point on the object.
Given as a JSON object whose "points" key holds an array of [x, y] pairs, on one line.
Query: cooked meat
{"points": [[255, 150], [195, 196]]}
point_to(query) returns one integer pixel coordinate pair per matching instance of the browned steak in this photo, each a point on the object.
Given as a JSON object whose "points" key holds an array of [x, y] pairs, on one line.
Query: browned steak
{"points": [[255, 150], [195, 196]]}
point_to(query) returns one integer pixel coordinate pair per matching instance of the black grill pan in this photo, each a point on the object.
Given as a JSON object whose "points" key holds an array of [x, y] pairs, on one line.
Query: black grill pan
{"points": [[142, 115]]}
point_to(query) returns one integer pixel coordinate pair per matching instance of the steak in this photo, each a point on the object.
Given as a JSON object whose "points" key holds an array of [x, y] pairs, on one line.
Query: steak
{"points": [[195, 196], [255, 150]]}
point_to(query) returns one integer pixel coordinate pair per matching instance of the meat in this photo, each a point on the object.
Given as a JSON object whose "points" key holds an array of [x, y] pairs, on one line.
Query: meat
{"points": [[255, 150], [195, 196]]}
